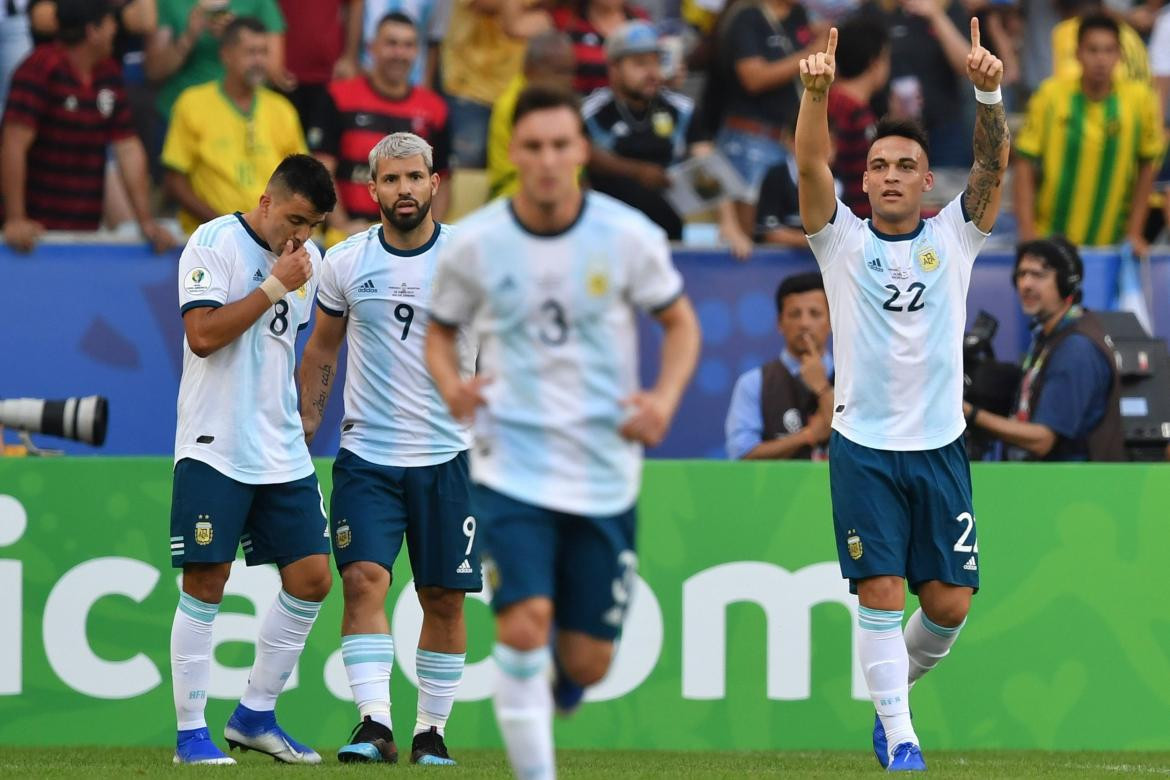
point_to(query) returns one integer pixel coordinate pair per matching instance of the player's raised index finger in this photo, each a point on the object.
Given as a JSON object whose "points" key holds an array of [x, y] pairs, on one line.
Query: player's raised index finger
{"points": [[831, 48], [974, 32]]}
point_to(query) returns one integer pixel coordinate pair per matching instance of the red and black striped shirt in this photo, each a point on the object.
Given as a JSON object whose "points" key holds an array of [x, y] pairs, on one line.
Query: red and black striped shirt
{"points": [[589, 46], [75, 121], [852, 126], [356, 116]]}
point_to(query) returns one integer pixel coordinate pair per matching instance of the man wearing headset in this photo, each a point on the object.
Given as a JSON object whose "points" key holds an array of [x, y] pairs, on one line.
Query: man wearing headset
{"points": [[1067, 406]]}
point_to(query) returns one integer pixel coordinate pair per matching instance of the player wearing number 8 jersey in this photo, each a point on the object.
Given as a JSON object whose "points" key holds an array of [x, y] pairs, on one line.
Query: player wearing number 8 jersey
{"points": [[897, 288], [550, 281], [243, 476], [402, 468]]}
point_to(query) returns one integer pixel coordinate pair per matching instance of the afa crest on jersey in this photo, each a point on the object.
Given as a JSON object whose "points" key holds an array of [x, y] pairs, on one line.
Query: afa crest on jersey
{"points": [[344, 537], [928, 259], [203, 530]]}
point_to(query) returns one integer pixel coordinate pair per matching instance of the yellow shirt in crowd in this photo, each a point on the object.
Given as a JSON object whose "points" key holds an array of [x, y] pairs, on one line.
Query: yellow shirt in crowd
{"points": [[479, 59], [1089, 152], [1134, 65], [501, 171], [227, 154]]}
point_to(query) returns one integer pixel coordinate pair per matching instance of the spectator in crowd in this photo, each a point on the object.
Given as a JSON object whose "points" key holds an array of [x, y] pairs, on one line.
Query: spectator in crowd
{"points": [[783, 409], [547, 60], [1134, 62], [322, 43], [1037, 18], [358, 112], [185, 49], [430, 19], [66, 105], [638, 128], [1160, 68], [928, 61], [757, 67], [1068, 403], [479, 60], [136, 20], [15, 42], [778, 209], [588, 23], [1095, 140], [227, 136], [863, 69]]}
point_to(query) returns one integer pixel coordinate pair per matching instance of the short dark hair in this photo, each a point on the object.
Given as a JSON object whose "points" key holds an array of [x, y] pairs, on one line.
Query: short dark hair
{"points": [[796, 284], [542, 97], [74, 16], [902, 128], [231, 33], [304, 174], [859, 44], [1058, 254], [1098, 21], [395, 17]]}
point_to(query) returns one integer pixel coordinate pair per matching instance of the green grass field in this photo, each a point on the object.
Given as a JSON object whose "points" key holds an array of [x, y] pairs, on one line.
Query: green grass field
{"points": [[97, 763]]}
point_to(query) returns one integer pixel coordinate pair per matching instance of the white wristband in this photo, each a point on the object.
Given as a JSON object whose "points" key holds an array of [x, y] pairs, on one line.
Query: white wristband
{"points": [[989, 98], [273, 289]]}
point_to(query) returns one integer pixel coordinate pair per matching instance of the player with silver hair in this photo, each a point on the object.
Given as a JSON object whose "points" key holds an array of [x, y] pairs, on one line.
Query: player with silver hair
{"points": [[402, 469]]}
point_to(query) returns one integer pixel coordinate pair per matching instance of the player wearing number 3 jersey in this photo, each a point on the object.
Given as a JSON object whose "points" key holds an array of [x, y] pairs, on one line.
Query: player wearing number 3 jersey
{"points": [[402, 468], [243, 477], [897, 288], [550, 282]]}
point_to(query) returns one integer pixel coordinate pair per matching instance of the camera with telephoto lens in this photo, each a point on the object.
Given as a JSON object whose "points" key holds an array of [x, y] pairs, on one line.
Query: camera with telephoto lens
{"points": [[987, 383], [80, 419]]}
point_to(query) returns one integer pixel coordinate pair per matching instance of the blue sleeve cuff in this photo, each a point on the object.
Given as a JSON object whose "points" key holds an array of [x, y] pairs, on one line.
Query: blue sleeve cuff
{"points": [[329, 311], [206, 303]]}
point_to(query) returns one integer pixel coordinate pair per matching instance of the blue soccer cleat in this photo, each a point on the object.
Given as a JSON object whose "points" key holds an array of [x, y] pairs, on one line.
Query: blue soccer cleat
{"points": [[248, 729], [370, 742], [907, 758], [567, 694], [880, 748], [429, 749], [194, 746]]}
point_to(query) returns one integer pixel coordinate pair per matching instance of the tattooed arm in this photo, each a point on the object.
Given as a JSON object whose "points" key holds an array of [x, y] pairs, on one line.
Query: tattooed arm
{"points": [[319, 369], [815, 190], [992, 144]]}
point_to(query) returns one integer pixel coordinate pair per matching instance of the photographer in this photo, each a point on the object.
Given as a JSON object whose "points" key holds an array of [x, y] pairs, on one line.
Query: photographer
{"points": [[1067, 405], [783, 409]]}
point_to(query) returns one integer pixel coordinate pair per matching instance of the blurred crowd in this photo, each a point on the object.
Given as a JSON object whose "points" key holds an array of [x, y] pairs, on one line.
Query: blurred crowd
{"points": [[141, 112]]}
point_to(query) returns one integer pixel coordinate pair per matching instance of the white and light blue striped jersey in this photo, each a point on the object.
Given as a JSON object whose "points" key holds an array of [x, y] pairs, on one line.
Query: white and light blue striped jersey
{"points": [[554, 316], [898, 305], [238, 406], [394, 415]]}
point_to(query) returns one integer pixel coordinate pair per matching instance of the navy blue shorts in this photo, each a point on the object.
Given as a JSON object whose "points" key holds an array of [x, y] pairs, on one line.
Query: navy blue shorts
{"points": [[907, 514], [213, 514], [374, 506], [586, 565]]}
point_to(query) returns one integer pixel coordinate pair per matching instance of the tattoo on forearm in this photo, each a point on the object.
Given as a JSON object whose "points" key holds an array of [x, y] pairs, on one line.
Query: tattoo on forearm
{"points": [[323, 396], [991, 146]]}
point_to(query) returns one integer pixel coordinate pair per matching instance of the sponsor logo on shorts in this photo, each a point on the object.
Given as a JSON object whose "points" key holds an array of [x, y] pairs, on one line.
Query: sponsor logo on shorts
{"points": [[970, 565], [464, 568], [853, 541], [203, 530], [344, 537]]}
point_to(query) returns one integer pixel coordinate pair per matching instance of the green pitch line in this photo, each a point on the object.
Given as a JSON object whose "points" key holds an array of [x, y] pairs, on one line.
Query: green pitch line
{"points": [[100, 763]]}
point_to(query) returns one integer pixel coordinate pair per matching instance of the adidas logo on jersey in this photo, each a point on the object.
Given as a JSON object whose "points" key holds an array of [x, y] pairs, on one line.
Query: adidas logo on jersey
{"points": [[464, 568], [367, 287], [970, 565], [257, 277], [875, 264]]}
